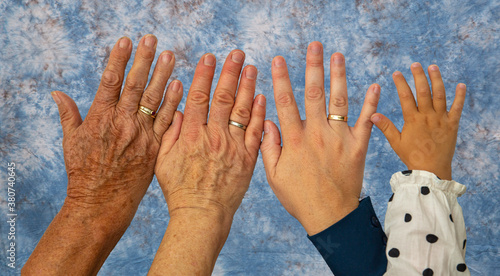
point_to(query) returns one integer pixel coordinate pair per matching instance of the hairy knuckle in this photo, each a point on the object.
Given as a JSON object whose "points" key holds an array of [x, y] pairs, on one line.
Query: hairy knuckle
{"points": [[315, 93], [199, 97], [339, 101], [284, 99]]}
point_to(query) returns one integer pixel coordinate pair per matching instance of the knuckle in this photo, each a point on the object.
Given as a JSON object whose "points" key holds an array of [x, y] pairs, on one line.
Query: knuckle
{"points": [[439, 96], [318, 140], [280, 74], [111, 79], [424, 92], [199, 97], [233, 71], [339, 101], [314, 62], [164, 120], [338, 73], [224, 97], [284, 99], [151, 98], [255, 133], [294, 140], [242, 111], [147, 54], [314, 93], [133, 84]]}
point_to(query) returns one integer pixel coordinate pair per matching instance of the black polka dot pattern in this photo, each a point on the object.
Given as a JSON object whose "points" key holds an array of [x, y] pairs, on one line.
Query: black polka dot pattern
{"points": [[394, 253], [451, 218], [465, 242], [407, 173], [461, 267], [407, 217], [428, 272], [431, 238], [392, 196], [425, 190]]}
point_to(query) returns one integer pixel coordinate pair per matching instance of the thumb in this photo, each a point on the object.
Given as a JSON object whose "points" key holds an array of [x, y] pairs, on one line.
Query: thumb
{"points": [[171, 135], [389, 130], [271, 146], [68, 112]]}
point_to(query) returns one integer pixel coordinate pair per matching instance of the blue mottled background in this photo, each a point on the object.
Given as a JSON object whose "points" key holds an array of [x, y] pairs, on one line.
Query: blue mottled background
{"points": [[63, 45]]}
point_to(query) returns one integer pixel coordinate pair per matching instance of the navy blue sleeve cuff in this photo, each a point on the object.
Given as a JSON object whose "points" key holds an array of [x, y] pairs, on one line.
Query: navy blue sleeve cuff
{"points": [[355, 245]]}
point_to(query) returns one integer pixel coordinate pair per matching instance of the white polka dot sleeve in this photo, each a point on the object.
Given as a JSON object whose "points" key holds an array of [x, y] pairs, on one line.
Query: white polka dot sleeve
{"points": [[425, 226]]}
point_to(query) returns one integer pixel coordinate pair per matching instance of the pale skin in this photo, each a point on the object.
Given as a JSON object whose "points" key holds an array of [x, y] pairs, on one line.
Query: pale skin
{"points": [[318, 172], [429, 135], [205, 171], [110, 159]]}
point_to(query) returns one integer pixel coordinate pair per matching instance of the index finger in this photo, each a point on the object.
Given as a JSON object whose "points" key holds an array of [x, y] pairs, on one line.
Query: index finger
{"points": [[408, 104], [110, 87], [288, 113], [196, 111]]}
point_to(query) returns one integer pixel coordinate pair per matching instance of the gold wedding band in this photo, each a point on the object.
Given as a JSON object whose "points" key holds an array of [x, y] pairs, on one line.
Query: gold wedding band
{"points": [[147, 111], [337, 117], [236, 124]]}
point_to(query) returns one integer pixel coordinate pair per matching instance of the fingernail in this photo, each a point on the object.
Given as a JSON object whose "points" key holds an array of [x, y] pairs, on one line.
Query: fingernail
{"points": [[166, 57], [337, 59], [415, 65], [209, 60], [55, 97], [237, 57], [434, 68], [376, 89], [124, 42], [397, 73], [462, 85], [251, 73], [375, 119], [279, 61], [261, 100], [150, 41], [176, 85], [315, 49]]}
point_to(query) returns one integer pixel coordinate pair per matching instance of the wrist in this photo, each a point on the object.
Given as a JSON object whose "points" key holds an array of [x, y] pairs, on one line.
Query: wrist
{"points": [[327, 216], [105, 225], [217, 221]]}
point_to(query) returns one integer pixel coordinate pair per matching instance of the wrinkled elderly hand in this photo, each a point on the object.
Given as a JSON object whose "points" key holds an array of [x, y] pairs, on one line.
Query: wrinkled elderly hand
{"points": [[429, 135], [317, 175], [205, 172], [109, 157]]}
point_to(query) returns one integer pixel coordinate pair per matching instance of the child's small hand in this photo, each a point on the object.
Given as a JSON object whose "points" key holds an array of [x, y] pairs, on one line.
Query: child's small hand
{"points": [[427, 141]]}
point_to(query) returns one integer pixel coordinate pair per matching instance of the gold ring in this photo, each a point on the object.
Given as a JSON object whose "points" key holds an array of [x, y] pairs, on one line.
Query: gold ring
{"points": [[337, 117], [147, 111], [236, 124]]}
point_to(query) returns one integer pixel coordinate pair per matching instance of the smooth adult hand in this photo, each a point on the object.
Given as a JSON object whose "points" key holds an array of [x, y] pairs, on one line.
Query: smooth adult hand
{"points": [[429, 135], [205, 170], [110, 159], [318, 172]]}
